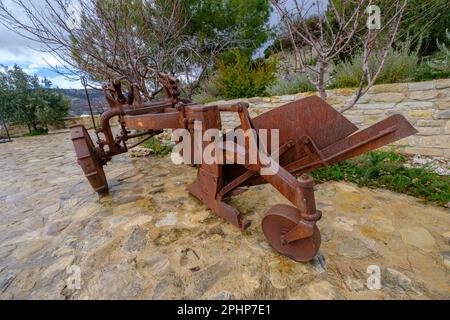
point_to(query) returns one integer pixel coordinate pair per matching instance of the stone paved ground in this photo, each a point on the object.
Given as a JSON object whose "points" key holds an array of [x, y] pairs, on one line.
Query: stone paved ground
{"points": [[150, 240]]}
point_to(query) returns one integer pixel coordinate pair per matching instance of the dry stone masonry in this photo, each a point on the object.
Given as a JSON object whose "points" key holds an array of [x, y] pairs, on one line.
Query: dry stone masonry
{"points": [[425, 104]]}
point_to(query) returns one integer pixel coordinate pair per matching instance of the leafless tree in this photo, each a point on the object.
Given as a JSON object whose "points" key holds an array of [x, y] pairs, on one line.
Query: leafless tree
{"points": [[325, 32], [104, 39]]}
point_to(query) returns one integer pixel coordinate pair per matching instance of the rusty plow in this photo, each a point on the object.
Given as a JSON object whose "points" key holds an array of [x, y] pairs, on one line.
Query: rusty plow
{"points": [[312, 134]]}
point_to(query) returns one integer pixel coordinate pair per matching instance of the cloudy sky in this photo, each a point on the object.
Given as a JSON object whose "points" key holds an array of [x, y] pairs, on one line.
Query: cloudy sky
{"points": [[15, 49]]}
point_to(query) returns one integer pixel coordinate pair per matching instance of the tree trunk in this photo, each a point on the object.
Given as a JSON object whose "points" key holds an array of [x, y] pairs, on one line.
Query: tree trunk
{"points": [[321, 78]]}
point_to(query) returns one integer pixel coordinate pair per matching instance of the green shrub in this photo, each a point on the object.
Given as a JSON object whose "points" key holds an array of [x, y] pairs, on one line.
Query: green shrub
{"points": [[437, 66], [298, 83], [381, 169], [38, 132], [244, 77], [400, 65], [207, 91], [158, 147]]}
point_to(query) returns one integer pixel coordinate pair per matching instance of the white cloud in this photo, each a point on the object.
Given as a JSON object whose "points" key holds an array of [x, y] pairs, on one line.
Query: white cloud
{"points": [[63, 82]]}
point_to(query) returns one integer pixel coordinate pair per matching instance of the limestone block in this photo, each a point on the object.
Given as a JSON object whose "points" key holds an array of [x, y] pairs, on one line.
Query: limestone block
{"points": [[423, 95], [375, 106], [345, 91], [255, 100], [429, 131], [446, 128], [388, 97], [435, 152], [429, 123], [356, 119], [443, 105], [394, 87], [442, 83], [275, 99], [414, 105], [420, 86], [443, 114], [422, 114], [441, 141]]}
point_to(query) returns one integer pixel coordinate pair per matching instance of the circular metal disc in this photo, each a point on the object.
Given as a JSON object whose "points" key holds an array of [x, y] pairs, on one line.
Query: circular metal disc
{"points": [[85, 151], [279, 220]]}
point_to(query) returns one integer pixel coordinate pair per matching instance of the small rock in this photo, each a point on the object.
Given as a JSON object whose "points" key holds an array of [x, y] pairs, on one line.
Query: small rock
{"points": [[223, 295], [137, 240], [446, 236], [51, 209], [353, 284], [60, 265], [169, 220], [418, 237], [353, 248], [322, 290], [170, 287], [55, 228], [115, 221], [319, 263], [446, 259], [344, 223], [276, 276], [204, 279], [398, 281], [5, 280], [140, 152]]}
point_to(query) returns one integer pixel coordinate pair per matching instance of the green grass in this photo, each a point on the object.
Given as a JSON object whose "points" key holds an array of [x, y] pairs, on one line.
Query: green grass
{"points": [[158, 147], [37, 132], [381, 169]]}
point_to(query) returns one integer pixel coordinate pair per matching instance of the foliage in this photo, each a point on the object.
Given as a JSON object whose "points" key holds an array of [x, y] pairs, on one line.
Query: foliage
{"points": [[207, 91], [425, 20], [441, 64], [38, 132], [245, 77], [108, 39], [246, 21], [295, 84], [400, 66], [25, 100], [380, 169], [158, 147]]}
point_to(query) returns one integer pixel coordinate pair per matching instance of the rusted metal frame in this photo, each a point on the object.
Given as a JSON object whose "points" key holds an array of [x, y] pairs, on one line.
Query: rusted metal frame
{"points": [[309, 146], [308, 217], [301, 194], [137, 135], [298, 192], [297, 166], [150, 135], [114, 147], [155, 121], [249, 173]]}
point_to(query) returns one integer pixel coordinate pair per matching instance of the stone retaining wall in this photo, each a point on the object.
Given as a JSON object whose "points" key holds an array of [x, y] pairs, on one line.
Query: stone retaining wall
{"points": [[425, 104]]}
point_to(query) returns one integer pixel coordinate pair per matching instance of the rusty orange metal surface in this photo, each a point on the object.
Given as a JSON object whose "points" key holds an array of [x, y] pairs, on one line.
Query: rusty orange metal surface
{"points": [[312, 134]]}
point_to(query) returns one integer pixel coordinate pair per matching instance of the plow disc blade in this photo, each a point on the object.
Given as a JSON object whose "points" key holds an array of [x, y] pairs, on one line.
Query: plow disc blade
{"points": [[311, 117]]}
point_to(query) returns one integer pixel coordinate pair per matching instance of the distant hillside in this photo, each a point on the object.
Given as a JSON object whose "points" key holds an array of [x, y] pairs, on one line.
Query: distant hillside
{"points": [[79, 104]]}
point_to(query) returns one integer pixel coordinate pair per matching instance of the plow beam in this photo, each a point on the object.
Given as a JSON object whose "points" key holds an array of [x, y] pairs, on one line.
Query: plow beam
{"points": [[389, 130]]}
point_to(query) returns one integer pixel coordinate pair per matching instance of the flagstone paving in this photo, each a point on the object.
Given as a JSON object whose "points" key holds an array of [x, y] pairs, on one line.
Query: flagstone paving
{"points": [[149, 239]]}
